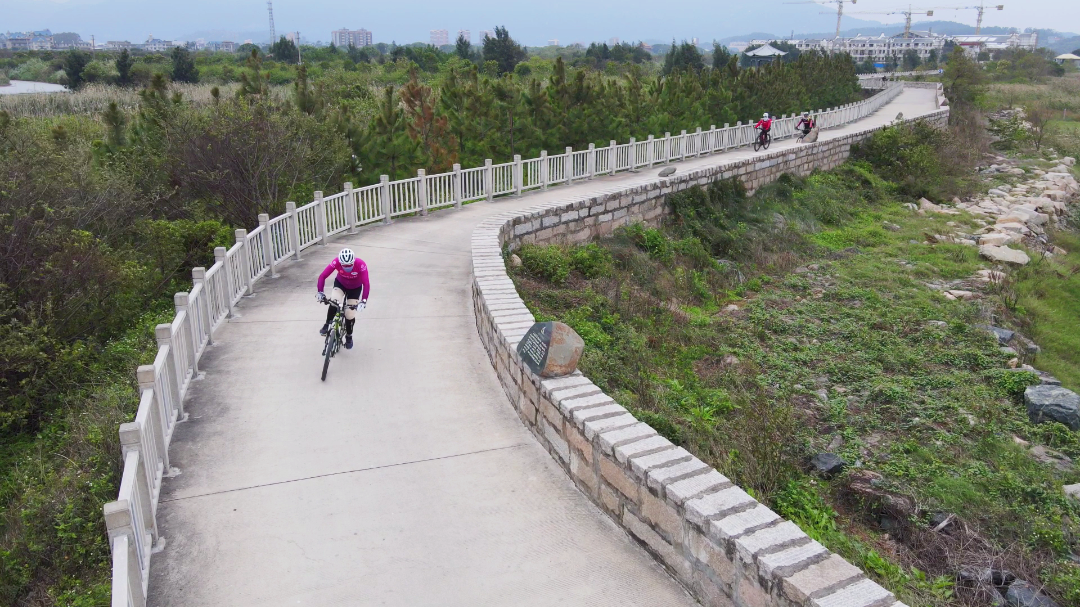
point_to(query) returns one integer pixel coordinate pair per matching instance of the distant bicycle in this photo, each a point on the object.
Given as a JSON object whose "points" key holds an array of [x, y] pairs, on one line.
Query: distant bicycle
{"points": [[763, 140], [335, 336]]}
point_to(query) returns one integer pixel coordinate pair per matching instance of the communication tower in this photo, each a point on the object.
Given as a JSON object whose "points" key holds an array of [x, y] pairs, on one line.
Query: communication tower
{"points": [[270, 9]]}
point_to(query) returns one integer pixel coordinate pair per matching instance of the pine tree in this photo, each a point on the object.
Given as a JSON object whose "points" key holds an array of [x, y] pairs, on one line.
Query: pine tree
{"points": [[123, 66], [427, 128], [183, 66], [388, 144], [503, 50]]}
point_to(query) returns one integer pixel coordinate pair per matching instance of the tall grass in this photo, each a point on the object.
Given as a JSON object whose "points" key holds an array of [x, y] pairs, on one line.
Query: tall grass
{"points": [[94, 99]]}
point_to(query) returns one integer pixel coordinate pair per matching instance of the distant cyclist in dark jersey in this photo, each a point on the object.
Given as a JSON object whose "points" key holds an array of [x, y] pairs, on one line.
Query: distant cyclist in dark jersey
{"points": [[805, 124], [351, 286]]}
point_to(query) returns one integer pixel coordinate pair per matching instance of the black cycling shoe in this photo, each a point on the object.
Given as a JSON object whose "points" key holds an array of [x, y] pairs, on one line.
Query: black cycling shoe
{"points": [[348, 342], [324, 330]]}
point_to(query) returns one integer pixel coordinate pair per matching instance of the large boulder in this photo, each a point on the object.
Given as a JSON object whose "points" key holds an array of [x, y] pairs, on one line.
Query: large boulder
{"points": [[1053, 403], [551, 349], [828, 464], [1004, 336], [1004, 255], [1026, 594]]}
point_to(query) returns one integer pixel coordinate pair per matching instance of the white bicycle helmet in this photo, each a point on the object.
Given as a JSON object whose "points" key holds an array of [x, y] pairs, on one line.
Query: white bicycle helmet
{"points": [[346, 257], [766, 116], [805, 114]]}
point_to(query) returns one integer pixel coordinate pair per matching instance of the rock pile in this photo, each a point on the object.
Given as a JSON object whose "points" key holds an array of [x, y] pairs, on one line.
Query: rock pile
{"points": [[1020, 213]]}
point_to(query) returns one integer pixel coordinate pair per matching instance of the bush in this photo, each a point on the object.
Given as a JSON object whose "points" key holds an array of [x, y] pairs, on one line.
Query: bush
{"points": [[922, 160], [651, 240], [592, 260], [550, 263]]}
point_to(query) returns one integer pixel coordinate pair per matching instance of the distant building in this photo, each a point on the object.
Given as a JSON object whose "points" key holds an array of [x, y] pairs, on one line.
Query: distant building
{"points": [[614, 41], [1068, 59], [553, 42], [117, 45], [484, 34], [765, 53], [980, 43], [293, 37], [440, 37], [466, 34], [227, 47], [345, 37], [155, 45]]}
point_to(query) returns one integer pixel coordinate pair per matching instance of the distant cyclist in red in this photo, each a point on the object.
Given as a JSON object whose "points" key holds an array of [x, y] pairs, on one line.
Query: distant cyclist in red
{"points": [[351, 285], [765, 124]]}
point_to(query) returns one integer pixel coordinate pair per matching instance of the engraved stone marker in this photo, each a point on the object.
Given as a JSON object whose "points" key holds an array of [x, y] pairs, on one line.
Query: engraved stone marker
{"points": [[551, 349]]}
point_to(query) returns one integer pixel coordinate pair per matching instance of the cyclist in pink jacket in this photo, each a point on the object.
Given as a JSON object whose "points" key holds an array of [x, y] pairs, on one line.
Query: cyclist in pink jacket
{"points": [[350, 285]]}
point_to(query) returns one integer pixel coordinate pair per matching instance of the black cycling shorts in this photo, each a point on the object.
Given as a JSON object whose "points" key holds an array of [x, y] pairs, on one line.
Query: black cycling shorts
{"points": [[349, 293]]}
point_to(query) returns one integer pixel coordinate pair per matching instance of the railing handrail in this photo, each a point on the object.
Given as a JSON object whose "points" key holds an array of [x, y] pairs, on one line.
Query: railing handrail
{"points": [[215, 290]]}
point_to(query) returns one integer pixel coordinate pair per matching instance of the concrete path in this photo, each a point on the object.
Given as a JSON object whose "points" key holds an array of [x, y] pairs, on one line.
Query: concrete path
{"points": [[406, 478]]}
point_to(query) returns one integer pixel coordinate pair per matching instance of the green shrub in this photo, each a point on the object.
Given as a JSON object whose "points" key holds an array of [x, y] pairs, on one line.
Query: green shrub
{"points": [[550, 263], [651, 240], [592, 260], [1011, 383]]}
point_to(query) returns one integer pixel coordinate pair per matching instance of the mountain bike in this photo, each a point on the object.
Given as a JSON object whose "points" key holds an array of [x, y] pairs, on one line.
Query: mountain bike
{"points": [[763, 140], [335, 336]]}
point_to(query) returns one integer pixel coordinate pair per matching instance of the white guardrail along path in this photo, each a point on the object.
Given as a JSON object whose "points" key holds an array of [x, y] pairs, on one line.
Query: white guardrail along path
{"points": [[131, 519]]}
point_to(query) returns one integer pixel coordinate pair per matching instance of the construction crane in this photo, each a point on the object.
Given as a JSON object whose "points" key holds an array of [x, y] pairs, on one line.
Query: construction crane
{"points": [[839, 8], [907, 14], [270, 9], [981, 8]]}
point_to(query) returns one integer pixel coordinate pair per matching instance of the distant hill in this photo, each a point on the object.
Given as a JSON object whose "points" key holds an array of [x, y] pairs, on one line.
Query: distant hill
{"points": [[1066, 45]]}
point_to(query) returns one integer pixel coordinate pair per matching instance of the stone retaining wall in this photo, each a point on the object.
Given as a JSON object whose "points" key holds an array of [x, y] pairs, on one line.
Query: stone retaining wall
{"points": [[723, 545]]}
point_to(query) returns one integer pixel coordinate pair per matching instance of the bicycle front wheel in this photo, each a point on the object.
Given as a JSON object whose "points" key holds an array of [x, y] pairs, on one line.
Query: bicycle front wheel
{"points": [[331, 343]]}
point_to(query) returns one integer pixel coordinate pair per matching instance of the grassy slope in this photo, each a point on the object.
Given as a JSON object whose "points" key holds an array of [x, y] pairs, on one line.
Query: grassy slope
{"points": [[840, 354]]}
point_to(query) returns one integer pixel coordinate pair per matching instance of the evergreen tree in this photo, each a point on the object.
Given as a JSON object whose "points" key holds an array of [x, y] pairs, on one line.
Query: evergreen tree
{"points": [[911, 60], [115, 123], [503, 50], [426, 127], [123, 66], [74, 64], [285, 51], [183, 66], [720, 56], [463, 48], [253, 82], [305, 97], [683, 57], [388, 143]]}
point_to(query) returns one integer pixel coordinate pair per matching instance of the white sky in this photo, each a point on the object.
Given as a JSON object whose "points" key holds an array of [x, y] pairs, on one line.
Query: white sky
{"points": [[530, 22]]}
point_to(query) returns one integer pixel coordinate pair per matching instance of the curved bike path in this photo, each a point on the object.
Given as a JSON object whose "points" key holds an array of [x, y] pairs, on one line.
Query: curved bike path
{"points": [[406, 478]]}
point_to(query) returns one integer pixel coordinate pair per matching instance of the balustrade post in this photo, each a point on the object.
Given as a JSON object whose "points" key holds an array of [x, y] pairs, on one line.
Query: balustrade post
{"points": [[699, 144], [320, 218], [182, 303], [711, 138], [268, 244], [543, 170], [612, 156], [384, 197], [221, 256], [125, 553], [518, 175], [650, 146], [421, 190], [489, 181], [245, 261], [724, 136], [633, 155], [457, 186], [198, 277], [568, 165], [293, 229], [350, 207], [682, 145], [163, 333], [667, 148], [590, 161]]}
